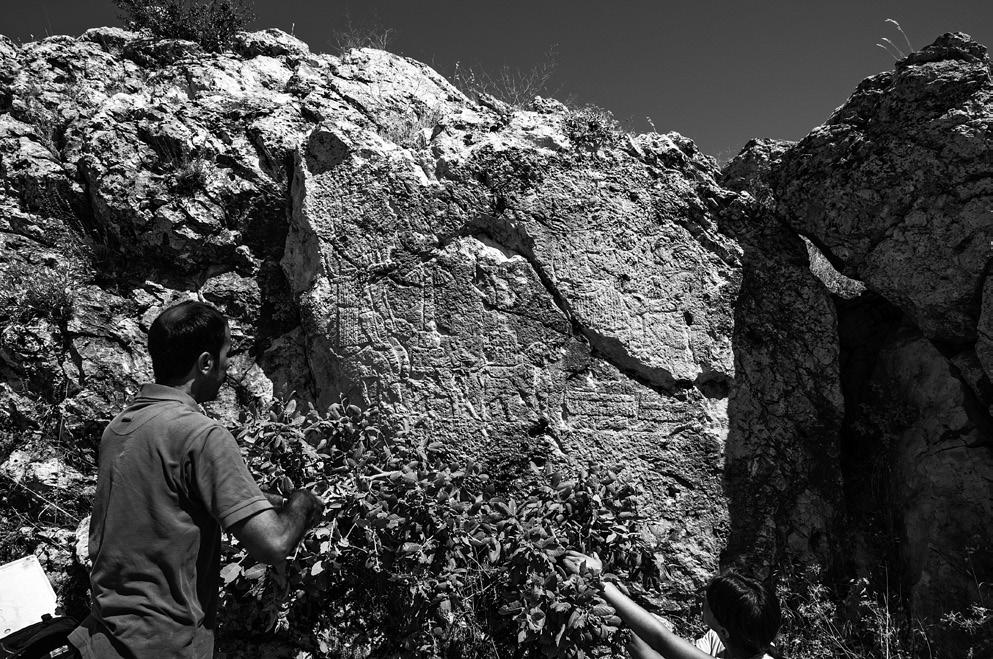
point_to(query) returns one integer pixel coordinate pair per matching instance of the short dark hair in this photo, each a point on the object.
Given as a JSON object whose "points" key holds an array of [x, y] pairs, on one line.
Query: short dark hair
{"points": [[747, 609], [182, 333]]}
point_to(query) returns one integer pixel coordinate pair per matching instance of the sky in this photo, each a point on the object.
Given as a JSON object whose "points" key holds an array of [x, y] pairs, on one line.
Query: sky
{"points": [[720, 73]]}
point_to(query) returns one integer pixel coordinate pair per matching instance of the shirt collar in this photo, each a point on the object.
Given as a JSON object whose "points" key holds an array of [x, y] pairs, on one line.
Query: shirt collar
{"points": [[163, 392]]}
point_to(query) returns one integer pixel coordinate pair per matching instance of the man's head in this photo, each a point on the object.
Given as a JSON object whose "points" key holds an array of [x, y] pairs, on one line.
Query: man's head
{"points": [[188, 344], [744, 613]]}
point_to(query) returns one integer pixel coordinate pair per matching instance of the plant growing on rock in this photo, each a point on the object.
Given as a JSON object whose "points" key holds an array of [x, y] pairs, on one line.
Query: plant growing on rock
{"points": [[592, 128], [860, 622], [419, 555], [210, 23], [191, 176], [44, 290], [354, 34], [516, 87]]}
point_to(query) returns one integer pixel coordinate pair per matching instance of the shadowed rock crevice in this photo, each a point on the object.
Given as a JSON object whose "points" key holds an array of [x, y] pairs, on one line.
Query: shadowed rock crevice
{"points": [[786, 407]]}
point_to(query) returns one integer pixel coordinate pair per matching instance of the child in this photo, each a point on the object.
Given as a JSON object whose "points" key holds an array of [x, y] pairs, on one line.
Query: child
{"points": [[742, 614]]}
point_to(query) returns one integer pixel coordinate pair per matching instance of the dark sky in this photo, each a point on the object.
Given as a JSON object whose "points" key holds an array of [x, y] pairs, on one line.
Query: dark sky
{"points": [[717, 72]]}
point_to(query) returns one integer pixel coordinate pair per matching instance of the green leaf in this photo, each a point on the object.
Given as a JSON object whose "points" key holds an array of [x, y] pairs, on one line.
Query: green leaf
{"points": [[603, 610]]}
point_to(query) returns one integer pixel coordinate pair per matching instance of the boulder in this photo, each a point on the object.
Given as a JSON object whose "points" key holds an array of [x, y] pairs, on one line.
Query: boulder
{"points": [[895, 187], [270, 43]]}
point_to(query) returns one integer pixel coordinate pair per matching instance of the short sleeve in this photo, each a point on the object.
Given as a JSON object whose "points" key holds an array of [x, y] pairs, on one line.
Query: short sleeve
{"points": [[710, 643], [226, 487]]}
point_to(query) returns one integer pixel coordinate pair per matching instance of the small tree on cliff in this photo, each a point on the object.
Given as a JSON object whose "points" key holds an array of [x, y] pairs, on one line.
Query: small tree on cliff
{"points": [[210, 23]]}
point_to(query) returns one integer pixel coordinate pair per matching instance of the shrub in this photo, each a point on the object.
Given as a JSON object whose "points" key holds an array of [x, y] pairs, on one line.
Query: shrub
{"points": [[592, 128], [210, 23], [46, 290], [190, 176], [368, 34], [418, 555], [863, 623]]}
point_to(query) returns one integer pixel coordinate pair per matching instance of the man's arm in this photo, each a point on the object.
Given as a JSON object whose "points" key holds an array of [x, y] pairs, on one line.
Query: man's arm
{"points": [[272, 535], [638, 649], [641, 622]]}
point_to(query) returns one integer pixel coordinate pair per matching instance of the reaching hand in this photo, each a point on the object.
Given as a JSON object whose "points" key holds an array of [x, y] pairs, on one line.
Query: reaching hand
{"points": [[313, 505], [578, 563]]}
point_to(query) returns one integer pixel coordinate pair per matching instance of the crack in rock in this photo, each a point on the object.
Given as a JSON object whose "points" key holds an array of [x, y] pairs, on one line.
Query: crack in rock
{"points": [[513, 241]]}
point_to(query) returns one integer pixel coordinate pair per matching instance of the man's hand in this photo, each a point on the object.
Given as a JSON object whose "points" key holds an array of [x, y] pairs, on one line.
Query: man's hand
{"points": [[272, 535], [578, 563], [310, 502]]}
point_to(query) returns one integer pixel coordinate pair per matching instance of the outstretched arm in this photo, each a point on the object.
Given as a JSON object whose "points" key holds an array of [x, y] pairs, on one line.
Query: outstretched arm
{"points": [[656, 635], [272, 535], [638, 649]]}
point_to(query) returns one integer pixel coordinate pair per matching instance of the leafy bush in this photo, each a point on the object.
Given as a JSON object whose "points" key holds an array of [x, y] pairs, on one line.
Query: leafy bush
{"points": [[418, 555], [210, 23]]}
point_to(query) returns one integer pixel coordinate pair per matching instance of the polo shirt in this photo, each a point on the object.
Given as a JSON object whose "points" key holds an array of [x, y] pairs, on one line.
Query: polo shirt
{"points": [[169, 478]]}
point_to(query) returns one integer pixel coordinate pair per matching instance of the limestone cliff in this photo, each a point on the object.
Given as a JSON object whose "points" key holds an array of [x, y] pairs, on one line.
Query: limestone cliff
{"points": [[523, 284]]}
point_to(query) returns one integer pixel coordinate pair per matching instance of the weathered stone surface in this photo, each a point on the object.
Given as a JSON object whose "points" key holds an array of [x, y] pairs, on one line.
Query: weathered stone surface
{"points": [[49, 473], [522, 283], [896, 186], [786, 406], [494, 279], [895, 190], [271, 43]]}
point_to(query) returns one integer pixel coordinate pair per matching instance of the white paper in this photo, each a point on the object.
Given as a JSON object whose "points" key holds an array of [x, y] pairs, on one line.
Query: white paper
{"points": [[25, 595]]}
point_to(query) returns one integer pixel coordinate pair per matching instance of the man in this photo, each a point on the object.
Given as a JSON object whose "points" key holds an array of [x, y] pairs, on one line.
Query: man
{"points": [[169, 479]]}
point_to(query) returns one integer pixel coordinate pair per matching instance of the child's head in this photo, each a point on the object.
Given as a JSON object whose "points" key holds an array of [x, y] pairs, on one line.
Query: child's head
{"points": [[744, 613]]}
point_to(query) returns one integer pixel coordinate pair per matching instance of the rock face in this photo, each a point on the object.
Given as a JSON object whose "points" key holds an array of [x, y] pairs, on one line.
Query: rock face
{"points": [[514, 279], [896, 189], [924, 468], [522, 284]]}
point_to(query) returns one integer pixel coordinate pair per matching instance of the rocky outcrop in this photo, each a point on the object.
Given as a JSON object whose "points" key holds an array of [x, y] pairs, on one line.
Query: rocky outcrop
{"points": [[521, 284], [920, 466], [896, 186], [896, 189]]}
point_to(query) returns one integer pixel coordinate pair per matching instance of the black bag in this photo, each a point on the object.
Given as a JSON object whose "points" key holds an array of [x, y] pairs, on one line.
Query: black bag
{"points": [[47, 638]]}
